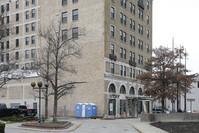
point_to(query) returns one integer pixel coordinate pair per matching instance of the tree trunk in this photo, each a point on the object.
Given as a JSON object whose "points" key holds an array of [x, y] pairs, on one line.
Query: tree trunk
{"points": [[55, 109], [162, 100], [46, 104]]}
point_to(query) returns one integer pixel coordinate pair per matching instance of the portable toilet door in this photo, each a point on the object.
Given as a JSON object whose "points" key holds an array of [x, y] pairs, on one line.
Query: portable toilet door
{"points": [[89, 110], [84, 110], [78, 110], [94, 109]]}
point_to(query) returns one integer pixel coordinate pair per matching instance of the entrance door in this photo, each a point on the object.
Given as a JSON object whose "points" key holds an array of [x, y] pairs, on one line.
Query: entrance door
{"points": [[122, 106], [139, 107], [112, 105], [131, 108]]}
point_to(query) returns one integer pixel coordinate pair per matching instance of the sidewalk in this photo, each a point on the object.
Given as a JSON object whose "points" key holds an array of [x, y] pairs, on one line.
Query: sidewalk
{"points": [[144, 127]]}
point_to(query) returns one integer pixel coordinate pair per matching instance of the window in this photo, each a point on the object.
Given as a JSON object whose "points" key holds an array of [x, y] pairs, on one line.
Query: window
{"points": [[141, 60], [64, 2], [133, 41], [75, 14], [140, 44], [147, 4], [124, 53], [17, 4], [7, 57], [17, 66], [130, 56], [8, 19], [33, 13], [121, 35], [27, 2], [64, 35], [17, 55], [138, 59], [147, 19], [17, 17], [130, 23], [7, 7], [147, 48], [124, 3], [147, 33], [33, 53], [130, 40], [8, 32], [121, 18], [133, 25], [75, 32], [140, 29], [2, 8], [112, 12], [131, 7], [124, 70], [2, 57], [64, 17], [112, 68], [75, 1], [124, 34], [2, 45], [27, 27], [131, 73], [17, 29], [121, 2], [27, 54], [140, 14], [27, 40], [124, 19], [121, 52], [33, 39], [33, 2], [27, 66], [27, 14], [134, 57], [33, 26], [17, 42], [112, 31], [32, 65], [121, 70], [112, 47], [122, 90], [2, 20], [7, 44], [112, 88]]}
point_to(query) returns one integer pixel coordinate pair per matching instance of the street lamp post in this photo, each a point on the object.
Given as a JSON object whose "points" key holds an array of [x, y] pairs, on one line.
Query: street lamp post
{"points": [[39, 84]]}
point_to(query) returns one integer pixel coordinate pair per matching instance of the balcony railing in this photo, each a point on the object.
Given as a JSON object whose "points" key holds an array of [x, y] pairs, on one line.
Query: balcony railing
{"points": [[113, 57], [132, 63]]}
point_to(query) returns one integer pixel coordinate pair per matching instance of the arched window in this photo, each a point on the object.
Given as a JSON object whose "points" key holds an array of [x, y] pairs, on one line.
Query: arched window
{"points": [[132, 91], [122, 90], [140, 91], [112, 88]]}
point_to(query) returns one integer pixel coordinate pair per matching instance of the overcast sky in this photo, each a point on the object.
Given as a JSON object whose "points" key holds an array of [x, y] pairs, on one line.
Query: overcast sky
{"points": [[178, 19]]}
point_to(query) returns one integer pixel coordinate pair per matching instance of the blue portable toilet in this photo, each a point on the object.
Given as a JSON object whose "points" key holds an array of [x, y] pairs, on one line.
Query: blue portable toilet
{"points": [[78, 110], [94, 109], [84, 105], [88, 110]]}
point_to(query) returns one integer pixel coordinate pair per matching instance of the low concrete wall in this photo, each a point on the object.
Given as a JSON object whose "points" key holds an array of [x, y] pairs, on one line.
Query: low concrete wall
{"points": [[177, 117]]}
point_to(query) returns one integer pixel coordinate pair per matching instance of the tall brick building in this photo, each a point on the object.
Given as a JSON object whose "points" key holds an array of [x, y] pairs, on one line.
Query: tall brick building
{"points": [[117, 43]]}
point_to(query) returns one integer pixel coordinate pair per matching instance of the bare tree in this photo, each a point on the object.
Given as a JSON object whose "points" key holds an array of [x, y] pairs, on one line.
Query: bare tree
{"points": [[166, 75], [54, 61]]}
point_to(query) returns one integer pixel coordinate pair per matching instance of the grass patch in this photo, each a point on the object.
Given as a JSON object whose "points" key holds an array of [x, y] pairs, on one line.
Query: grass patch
{"points": [[17, 118]]}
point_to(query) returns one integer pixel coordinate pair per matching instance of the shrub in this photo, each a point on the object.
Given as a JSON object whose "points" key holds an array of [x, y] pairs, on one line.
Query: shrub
{"points": [[2, 127]]}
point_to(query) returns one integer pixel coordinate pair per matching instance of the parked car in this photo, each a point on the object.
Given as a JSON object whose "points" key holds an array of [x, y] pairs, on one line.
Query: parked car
{"points": [[16, 110]]}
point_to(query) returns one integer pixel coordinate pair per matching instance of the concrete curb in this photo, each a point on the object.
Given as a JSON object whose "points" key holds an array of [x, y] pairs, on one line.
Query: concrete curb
{"points": [[40, 130], [135, 128]]}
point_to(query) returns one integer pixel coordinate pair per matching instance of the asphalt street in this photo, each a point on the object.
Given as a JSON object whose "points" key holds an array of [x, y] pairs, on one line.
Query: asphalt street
{"points": [[87, 126]]}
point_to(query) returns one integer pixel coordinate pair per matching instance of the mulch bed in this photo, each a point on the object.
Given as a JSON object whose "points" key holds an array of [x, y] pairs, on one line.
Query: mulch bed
{"points": [[49, 126], [178, 127]]}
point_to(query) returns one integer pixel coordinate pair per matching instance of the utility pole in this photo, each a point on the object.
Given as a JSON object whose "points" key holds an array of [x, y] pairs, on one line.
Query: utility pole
{"points": [[185, 95]]}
